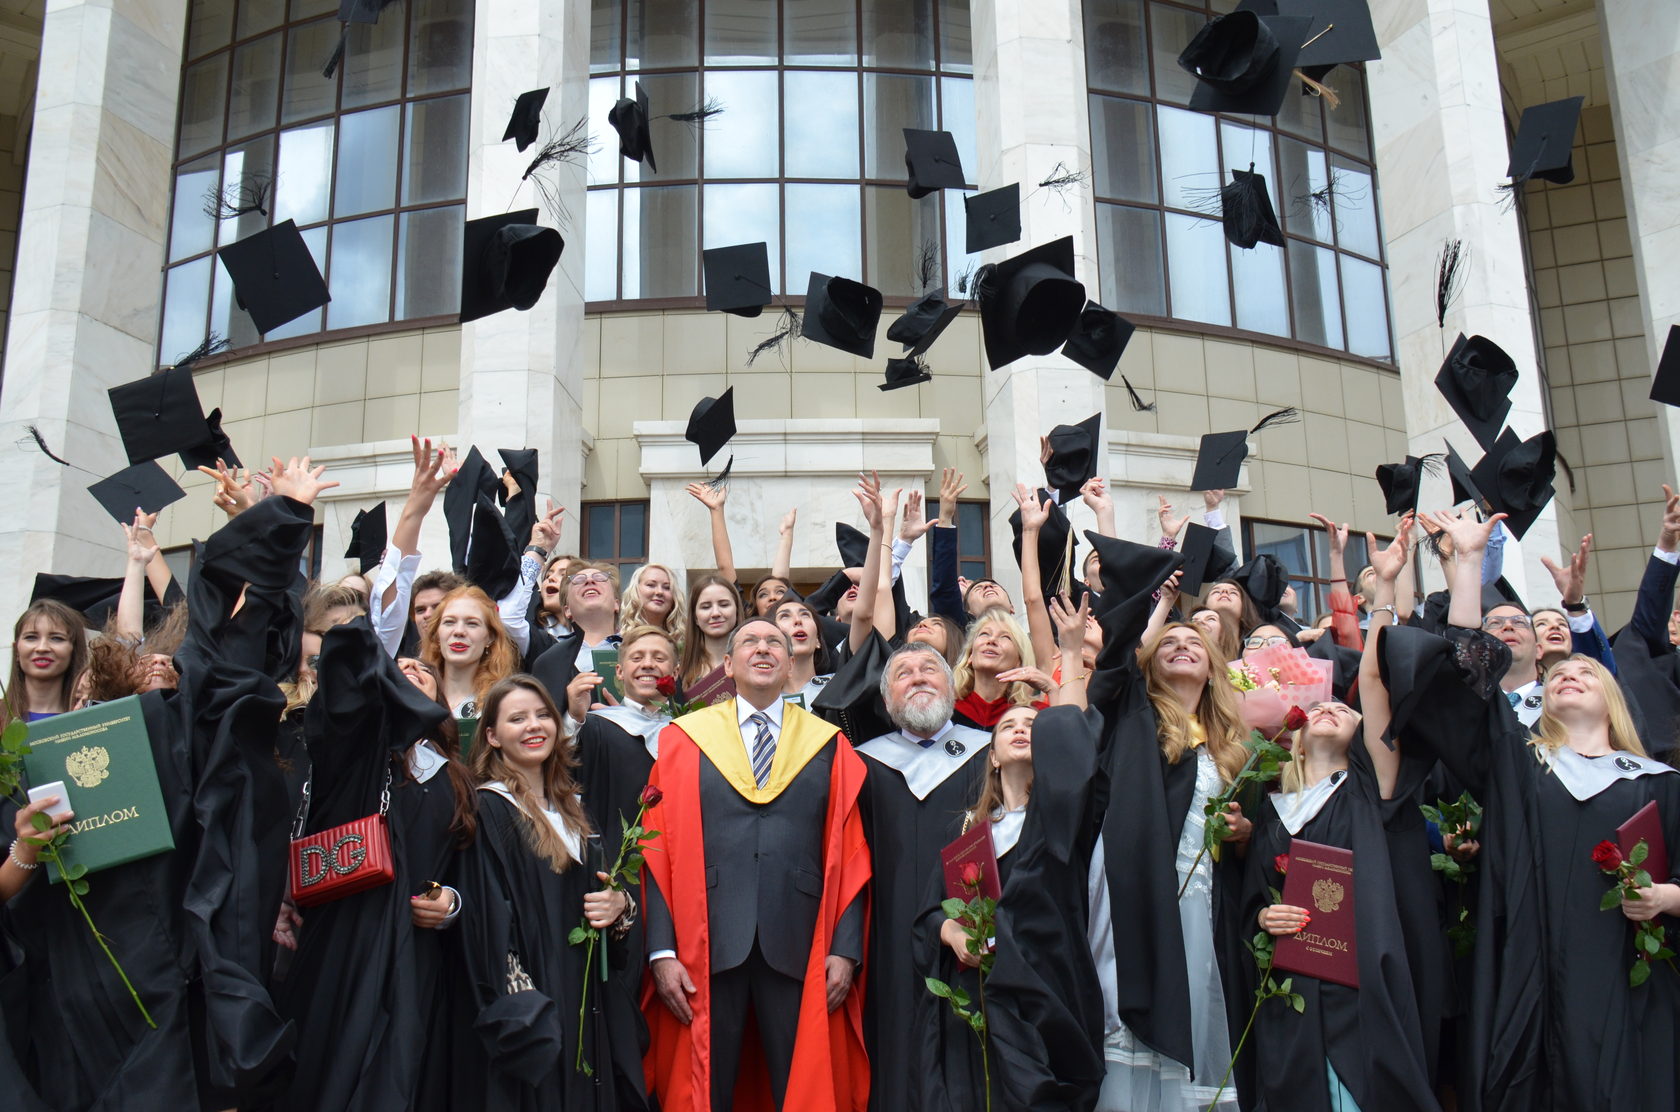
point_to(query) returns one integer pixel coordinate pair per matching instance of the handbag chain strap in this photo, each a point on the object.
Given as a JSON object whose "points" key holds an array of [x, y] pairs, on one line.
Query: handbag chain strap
{"points": [[303, 807]]}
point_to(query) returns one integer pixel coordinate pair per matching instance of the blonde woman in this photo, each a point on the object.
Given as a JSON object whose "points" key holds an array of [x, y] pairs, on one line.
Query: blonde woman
{"points": [[996, 670], [654, 597]]}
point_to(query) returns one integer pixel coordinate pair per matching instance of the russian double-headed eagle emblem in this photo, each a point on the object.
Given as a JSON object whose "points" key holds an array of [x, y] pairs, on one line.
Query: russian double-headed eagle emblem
{"points": [[88, 766]]}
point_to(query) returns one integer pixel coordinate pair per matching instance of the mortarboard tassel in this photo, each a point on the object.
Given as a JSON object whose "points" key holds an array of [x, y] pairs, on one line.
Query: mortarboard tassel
{"points": [[965, 279], [1137, 402], [722, 477], [41, 443], [214, 343], [697, 118], [1286, 416], [927, 265], [571, 146], [249, 195], [787, 328], [1061, 178], [1449, 277], [1319, 89]]}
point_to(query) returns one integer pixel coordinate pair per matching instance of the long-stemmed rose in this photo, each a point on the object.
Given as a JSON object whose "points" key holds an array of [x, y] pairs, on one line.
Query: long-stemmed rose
{"points": [[1265, 762], [977, 916], [627, 869], [675, 705], [1460, 820], [1650, 941]]}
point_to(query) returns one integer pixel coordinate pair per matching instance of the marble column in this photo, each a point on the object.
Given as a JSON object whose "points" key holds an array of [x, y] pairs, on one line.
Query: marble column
{"points": [[1440, 139], [521, 372], [85, 295], [1642, 64], [1031, 114]]}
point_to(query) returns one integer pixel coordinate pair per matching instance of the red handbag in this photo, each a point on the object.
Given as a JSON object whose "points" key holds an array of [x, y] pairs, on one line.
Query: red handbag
{"points": [[349, 858]]}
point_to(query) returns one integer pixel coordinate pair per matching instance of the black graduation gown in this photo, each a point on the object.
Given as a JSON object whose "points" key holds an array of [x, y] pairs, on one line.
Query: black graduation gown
{"points": [[524, 1044], [1043, 1002], [1374, 1035], [366, 985], [905, 834], [1553, 1024]]}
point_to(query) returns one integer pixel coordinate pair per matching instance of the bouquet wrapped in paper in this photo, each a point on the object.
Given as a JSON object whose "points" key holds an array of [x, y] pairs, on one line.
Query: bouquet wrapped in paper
{"points": [[1275, 679]]}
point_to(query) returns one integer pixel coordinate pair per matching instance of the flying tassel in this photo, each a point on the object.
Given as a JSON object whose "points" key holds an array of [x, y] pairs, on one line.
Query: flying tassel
{"points": [[574, 145], [787, 328], [1138, 403], [1568, 472], [214, 344], [1449, 277], [927, 265], [1287, 416], [1062, 178], [1435, 463], [1319, 89], [697, 118], [249, 195], [41, 443], [722, 477], [965, 279], [979, 283]]}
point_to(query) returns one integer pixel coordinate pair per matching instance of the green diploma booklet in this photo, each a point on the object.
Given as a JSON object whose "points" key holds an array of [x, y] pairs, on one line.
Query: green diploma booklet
{"points": [[104, 757]]}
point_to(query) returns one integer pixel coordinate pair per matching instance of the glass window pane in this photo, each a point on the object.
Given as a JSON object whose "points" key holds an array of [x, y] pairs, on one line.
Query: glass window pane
{"points": [[360, 281], [307, 93], [632, 530], [1189, 157], [373, 61], [819, 33], [600, 250], [1171, 31], [603, 531], [824, 233], [1367, 309], [247, 172], [367, 162], [1302, 180], [605, 35], [435, 151], [1196, 263], [662, 33], [1246, 147], [1300, 115], [256, 87], [303, 9], [959, 264], [1262, 300], [191, 229], [439, 45], [604, 159], [740, 32], [676, 145], [661, 225], [257, 16], [300, 186], [429, 263], [971, 529], [1351, 195], [1347, 122], [1123, 149], [890, 104], [899, 229], [1315, 292], [1129, 248], [956, 50], [821, 124], [1114, 46], [203, 99], [741, 143], [186, 299], [744, 214], [957, 116], [211, 26], [226, 317], [898, 33]]}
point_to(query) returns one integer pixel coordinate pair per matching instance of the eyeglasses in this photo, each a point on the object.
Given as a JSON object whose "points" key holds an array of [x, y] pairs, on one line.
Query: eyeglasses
{"points": [[1493, 623], [583, 578], [751, 642], [1264, 642]]}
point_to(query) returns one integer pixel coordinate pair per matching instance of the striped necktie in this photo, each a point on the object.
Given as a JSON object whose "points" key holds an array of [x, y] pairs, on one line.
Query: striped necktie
{"points": [[764, 748]]}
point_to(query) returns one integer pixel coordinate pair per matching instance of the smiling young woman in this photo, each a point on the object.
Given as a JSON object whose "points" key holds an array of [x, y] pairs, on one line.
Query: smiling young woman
{"points": [[714, 609], [49, 651], [468, 644]]}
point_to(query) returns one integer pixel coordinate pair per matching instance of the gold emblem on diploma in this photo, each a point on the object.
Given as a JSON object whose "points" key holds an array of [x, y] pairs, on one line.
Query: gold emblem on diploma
{"points": [[1327, 894], [88, 766]]}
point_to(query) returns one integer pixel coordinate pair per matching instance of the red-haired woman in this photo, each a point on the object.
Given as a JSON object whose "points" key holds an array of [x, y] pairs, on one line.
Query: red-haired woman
{"points": [[470, 647]]}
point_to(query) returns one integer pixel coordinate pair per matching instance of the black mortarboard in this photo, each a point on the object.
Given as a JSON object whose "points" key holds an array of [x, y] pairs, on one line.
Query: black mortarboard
{"points": [[994, 218], [1245, 209], [1545, 136], [1220, 457], [1131, 574], [842, 314], [1516, 477], [215, 446], [367, 538], [630, 119], [522, 463], [1074, 451], [1203, 558], [526, 120], [473, 480], [1476, 379], [1098, 340], [1264, 580], [275, 278], [505, 262], [1340, 32], [905, 372], [1029, 304], [96, 597], [1500, 593], [1243, 62], [738, 278], [158, 415], [1057, 549], [852, 545], [712, 424], [1464, 488], [932, 161], [1665, 384], [145, 486], [491, 560], [1401, 482], [923, 321]]}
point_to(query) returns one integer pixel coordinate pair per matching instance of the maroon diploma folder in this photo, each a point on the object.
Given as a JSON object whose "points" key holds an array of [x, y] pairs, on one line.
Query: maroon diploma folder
{"points": [[1320, 879], [974, 847], [1646, 826], [713, 687]]}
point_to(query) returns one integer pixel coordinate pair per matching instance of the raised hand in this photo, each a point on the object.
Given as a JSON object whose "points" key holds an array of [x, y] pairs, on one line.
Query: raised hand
{"points": [[1390, 559], [1170, 526], [1212, 499], [1572, 580], [1095, 494], [299, 480], [709, 496], [1033, 512], [432, 471], [1669, 538], [788, 520], [234, 493], [915, 523], [1469, 537], [1338, 534], [142, 546], [951, 488], [868, 494], [1070, 623], [545, 533]]}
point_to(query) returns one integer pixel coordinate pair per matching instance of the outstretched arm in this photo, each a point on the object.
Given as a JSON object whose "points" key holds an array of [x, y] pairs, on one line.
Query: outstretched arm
{"points": [[783, 566], [1033, 516], [131, 603], [1373, 696], [1095, 495], [713, 498], [1070, 644], [868, 494]]}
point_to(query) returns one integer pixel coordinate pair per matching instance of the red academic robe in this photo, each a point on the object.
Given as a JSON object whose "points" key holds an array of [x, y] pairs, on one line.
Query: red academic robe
{"points": [[830, 1067]]}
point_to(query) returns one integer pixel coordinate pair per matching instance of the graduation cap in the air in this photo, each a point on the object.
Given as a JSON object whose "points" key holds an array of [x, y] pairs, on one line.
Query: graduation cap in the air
{"points": [[1341, 32], [1401, 482], [522, 464], [1245, 210], [353, 11], [1029, 304], [737, 278], [95, 597], [994, 218], [711, 425], [474, 480], [1515, 477], [1098, 340], [853, 547], [367, 538], [908, 371], [932, 161], [924, 320], [1220, 457], [505, 262], [144, 486], [215, 446], [1545, 136], [158, 415], [1665, 384], [275, 278], [842, 314], [630, 119], [1204, 559], [492, 560], [1264, 580], [1131, 574], [526, 120], [1074, 452], [1057, 548], [1243, 61], [1464, 487], [1476, 379]]}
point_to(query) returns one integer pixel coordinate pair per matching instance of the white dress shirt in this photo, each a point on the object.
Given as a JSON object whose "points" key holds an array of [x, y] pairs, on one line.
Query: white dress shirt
{"points": [[389, 622]]}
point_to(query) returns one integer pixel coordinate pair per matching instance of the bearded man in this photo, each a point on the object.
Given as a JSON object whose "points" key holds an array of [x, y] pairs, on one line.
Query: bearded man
{"points": [[921, 778]]}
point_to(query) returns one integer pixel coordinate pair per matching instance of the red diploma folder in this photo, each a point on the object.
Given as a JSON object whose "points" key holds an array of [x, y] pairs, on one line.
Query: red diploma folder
{"points": [[1646, 826], [713, 687], [974, 847], [1320, 879]]}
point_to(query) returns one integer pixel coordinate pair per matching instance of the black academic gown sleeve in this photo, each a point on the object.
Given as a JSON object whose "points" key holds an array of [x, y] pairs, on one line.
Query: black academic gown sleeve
{"points": [[557, 667], [1648, 666], [944, 596]]}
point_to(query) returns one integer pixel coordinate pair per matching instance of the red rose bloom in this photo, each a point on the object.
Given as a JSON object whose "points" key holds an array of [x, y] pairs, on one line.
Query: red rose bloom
{"points": [[1281, 863], [1607, 856], [971, 875], [1295, 719], [667, 686], [651, 795]]}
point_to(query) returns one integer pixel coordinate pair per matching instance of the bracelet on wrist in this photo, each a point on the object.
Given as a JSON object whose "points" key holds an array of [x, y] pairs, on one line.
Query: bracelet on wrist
{"points": [[12, 853]]}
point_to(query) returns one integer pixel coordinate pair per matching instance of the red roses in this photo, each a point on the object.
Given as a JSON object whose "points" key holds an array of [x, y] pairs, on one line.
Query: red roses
{"points": [[651, 795], [1607, 856], [971, 875], [1281, 863], [1295, 719], [667, 686]]}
